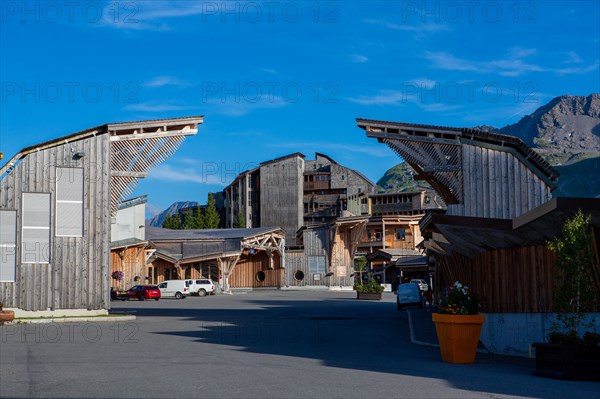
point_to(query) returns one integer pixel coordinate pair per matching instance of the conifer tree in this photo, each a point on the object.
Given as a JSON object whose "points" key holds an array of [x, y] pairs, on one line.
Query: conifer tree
{"points": [[238, 221], [211, 216]]}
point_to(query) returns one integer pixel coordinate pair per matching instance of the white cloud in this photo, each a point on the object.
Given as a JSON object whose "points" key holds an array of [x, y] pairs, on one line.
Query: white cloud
{"points": [[151, 15], [376, 151], [410, 92], [206, 175], [159, 107], [510, 66], [244, 107], [359, 59], [161, 81], [383, 97], [418, 28], [573, 58]]}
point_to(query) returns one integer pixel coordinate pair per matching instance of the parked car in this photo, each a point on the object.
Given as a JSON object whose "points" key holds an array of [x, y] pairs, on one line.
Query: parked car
{"points": [[408, 294], [143, 292], [201, 286], [118, 295], [178, 289], [421, 283]]}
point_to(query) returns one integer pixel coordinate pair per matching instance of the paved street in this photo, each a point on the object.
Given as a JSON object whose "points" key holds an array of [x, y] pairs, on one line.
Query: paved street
{"points": [[271, 344]]}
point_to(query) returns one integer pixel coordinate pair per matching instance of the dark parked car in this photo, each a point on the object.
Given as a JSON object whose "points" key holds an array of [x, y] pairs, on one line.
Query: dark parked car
{"points": [[141, 292], [118, 295]]}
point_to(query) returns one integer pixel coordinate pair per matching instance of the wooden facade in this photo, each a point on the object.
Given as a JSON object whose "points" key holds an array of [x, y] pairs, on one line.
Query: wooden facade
{"points": [[65, 265], [508, 266], [477, 173], [234, 258]]}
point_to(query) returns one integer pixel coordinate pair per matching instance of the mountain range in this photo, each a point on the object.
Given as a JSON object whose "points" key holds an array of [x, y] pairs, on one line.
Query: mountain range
{"points": [[566, 132], [158, 219]]}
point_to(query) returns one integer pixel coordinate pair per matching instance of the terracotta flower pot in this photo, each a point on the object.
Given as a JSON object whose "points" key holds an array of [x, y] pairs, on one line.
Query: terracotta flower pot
{"points": [[458, 336], [6, 315]]}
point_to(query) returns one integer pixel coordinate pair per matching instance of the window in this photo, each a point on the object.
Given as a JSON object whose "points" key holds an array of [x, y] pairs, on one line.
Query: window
{"points": [[69, 202], [35, 247], [8, 235], [427, 199], [400, 234], [316, 264], [299, 275], [260, 276]]}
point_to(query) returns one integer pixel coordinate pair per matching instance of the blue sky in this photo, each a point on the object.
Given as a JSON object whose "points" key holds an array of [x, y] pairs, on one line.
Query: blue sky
{"points": [[273, 78]]}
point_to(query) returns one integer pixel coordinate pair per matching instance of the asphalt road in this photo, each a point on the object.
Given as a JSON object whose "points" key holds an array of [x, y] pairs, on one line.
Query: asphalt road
{"points": [[273, 344]]}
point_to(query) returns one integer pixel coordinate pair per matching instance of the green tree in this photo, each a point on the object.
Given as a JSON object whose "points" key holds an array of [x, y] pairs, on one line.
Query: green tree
{"points": [[199, 218], [188, 220], [171, 222], [575, 274], [238, 221], [211, 216]]}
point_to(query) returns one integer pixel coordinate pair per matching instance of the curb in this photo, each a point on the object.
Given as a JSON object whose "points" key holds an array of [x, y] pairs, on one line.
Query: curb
{"points": [[73, 320]]}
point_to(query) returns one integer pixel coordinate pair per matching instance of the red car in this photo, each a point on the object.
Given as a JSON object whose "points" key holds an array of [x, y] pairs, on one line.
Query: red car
{"points": [[143, 292]]}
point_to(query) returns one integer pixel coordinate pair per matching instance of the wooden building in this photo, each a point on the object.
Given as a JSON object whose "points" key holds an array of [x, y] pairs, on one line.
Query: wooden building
{"points": [[291, 192], [477, 173], [507, 262], [57, 202], [500, 216], [235, 258], [325, 256]]}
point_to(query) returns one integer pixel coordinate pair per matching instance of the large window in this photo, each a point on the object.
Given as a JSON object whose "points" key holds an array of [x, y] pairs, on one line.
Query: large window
{"points": [[316, 264], [35, 246], [8, 232], [69, 202]]}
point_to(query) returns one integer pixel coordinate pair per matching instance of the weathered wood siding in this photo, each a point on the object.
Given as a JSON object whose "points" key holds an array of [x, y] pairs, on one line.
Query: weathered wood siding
{"points": [[342, 264], [244, 273], [316, 243], [294, 261], [78, 273], [132, 262], [511, 280], [496, 184], [281, 195]]}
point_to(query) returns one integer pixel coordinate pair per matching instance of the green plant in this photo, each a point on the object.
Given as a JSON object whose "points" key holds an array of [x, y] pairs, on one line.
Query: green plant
{"points": [[574, 294], [459, 301], [371, 286], [360, 266]]}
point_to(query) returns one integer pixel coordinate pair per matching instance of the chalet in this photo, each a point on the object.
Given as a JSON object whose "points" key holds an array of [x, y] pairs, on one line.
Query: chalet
{"points": [[291, 192], [500, 215], [58, 200], [236, 258]]}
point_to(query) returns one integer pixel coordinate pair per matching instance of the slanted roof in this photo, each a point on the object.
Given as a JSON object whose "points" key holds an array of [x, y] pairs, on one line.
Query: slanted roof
{"points": [[160, 234], [294, 155], [393, 254], [127, 243], [116, 129], [188, 246], [134, 149], [471, 236], [386, 129]]}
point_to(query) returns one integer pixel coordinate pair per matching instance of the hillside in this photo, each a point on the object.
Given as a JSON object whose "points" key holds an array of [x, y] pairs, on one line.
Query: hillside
{"points": [[173, 209], [566, 131]]}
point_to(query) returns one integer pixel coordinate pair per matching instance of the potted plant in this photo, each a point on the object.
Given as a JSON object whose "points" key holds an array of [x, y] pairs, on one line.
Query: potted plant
{"points": [[458, 325], [573, 351], [371, 290]]}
